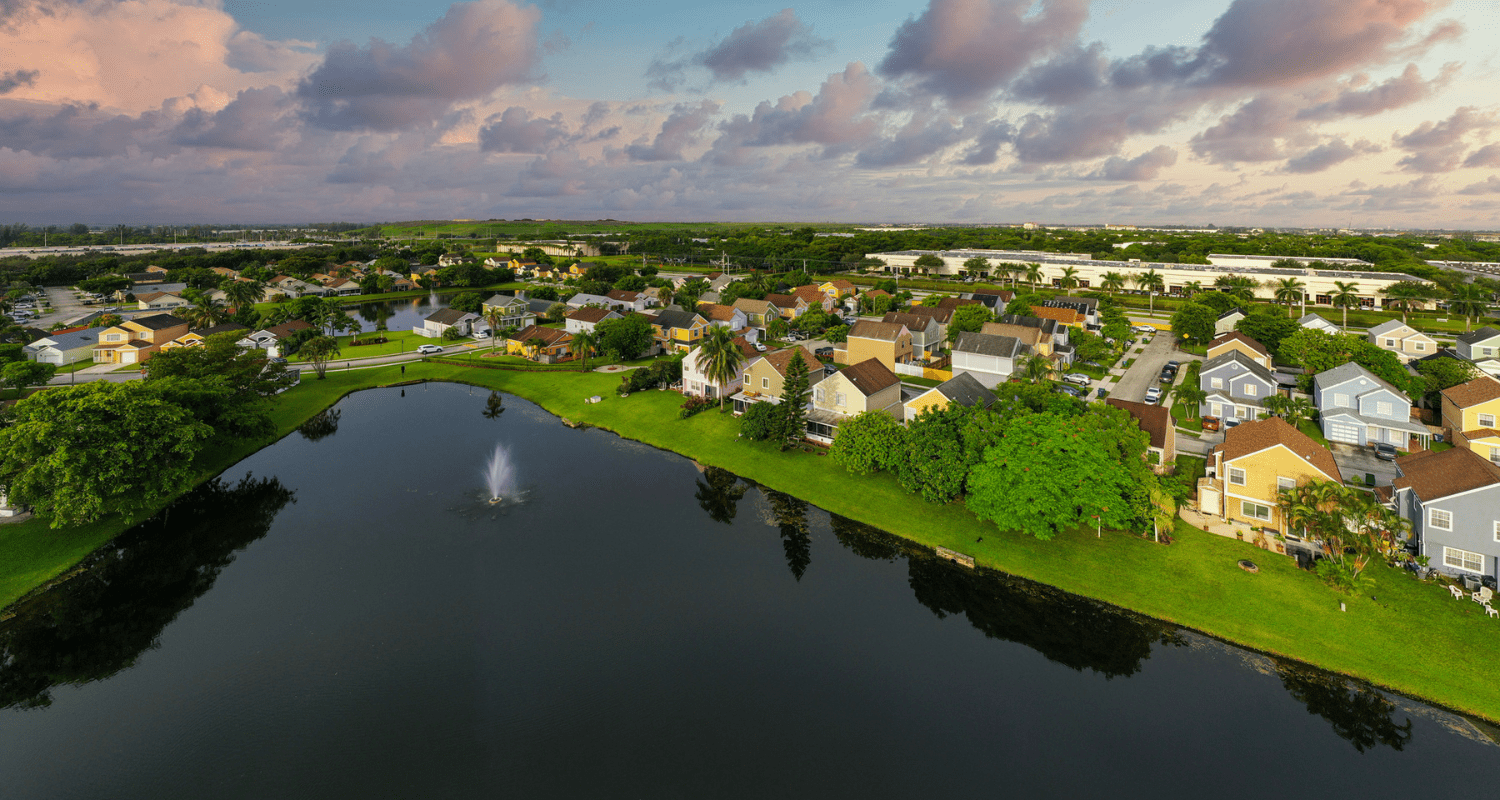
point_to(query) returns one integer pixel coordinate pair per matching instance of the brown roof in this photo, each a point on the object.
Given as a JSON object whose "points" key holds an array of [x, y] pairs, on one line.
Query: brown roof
{"points": [[1252, 437], [551, 336], [812, 294], [149, 296], [1432, 475], [782, 300], [870, 376], [1027, 334], [1481, 433], [955, 302], [878, 293], [884, 331], [942, 315], [841, 284], [589, 314], [716, 312], [746, 348], [1066, 316], [779, 359], [289, 327], [1153, 419], [913, 322], [1480, 390], [750, 306], [622, 295], [1005, 295], [1237, 336]]}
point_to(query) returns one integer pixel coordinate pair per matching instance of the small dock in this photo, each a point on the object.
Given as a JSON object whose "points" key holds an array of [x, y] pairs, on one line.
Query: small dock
{"points": [[956, 557]]}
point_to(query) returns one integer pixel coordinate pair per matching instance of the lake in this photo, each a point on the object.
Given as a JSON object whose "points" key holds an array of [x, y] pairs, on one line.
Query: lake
{"points": [[343, 615]]}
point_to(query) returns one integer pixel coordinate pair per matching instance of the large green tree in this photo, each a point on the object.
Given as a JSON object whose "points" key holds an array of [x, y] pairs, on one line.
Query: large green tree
{"points": [[79, 453], [625, 338], [1194, 323], [868, 442], [793, 409], [968, 318], [937, 461], [1268, 329], [221, 383], [21, 374]]}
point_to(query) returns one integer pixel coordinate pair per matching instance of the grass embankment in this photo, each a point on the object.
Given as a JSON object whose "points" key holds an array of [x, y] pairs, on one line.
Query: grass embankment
{"points": [[395, 342], [1402, 634]]}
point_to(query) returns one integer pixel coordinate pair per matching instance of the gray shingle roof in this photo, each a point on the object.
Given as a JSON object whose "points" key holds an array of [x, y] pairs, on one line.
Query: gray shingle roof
{"points": [[987, 345], [966, 390], [1239, 357], [1474, 337], [676, 318], [69, 341], [1348, 372]]}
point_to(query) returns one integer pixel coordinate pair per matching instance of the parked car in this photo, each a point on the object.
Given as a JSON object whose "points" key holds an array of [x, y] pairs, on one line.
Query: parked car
{"points": [[1384, 451], [1153, 396], [1174, 365], [1078, 378], [429, 349], [1072, 390], [1143, 329], [1168, 375], [824, 351], [1210, 423], [760, 347]]}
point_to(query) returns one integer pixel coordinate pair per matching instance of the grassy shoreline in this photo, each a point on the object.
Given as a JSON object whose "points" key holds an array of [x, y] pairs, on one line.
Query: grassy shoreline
{"points": [[1406, 636]]}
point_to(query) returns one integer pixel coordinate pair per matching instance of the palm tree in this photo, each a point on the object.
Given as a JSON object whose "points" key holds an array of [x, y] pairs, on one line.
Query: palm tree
{"points": [[1033, 274], [1112, 282], [1470, 300], [1034, 368], [719, 358], [494, 316], [243, 294], [1288, 290], [1345, 294], [537, 344], [1404, 295], [1150, 282], [319, 350], [1237, 285], [1190, 396], [1192, 288], [585, 344], [205, 313], [1069, 277], [1298, 409]]}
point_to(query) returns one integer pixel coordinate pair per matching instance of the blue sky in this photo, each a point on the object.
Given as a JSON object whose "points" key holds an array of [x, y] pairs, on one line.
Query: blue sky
{"points": [[1257, 112]]}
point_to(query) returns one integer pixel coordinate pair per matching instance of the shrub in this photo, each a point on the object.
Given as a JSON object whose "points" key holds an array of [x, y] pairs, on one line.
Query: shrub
{"points": [[760, 422], [694, 405]]}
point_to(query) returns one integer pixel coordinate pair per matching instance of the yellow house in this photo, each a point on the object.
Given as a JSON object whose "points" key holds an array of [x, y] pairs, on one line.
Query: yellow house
{"points": [[678, 330], [855, 389], [1469, 414], [963, 389], [765, 377], [837, 289], [136, 340], [196, 338], [758, 313], [536, 342], [1239, 342], [789, 306], [430, 272], [887, 342], [1256, 461], [1039, 340]]}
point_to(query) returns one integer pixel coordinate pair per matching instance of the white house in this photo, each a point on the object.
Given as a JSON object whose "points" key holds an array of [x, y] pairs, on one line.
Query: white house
{"points": [[438, 322], [583, 320], [62, 349], [697, 384], [990, 359]]}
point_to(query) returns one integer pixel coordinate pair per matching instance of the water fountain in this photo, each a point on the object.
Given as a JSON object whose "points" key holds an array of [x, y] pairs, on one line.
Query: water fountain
{"points": [[499, 475]]}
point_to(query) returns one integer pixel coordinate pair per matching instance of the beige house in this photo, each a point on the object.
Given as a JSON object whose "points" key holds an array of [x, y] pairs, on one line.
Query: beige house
{"points": [[1470, 411], [1234, 341], [963, 389], [1036, 338], [887, 342], [866, 386], [1403, 340], [1256, 461], [765, 377]]}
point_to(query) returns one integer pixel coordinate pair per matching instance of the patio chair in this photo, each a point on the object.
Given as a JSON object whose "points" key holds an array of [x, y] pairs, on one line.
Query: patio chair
{"points": [[1483, 595], [1491, 611], [1458, 594]]}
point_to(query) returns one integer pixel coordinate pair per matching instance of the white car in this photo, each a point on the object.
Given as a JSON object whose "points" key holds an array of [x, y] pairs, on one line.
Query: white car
{"points": [[429, 349], [1144, 329], [1077, 378], [1153, 395]]}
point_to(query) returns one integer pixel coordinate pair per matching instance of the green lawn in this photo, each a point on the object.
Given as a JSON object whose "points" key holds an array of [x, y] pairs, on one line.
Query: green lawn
{"points": [[1413, 638], [915, 381], [1311, 428], [396, 342], [1183, 419]]}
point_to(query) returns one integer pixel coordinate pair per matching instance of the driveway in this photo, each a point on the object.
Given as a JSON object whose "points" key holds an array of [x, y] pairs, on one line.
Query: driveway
{"points": [[1143, 374], [1357, 462]]}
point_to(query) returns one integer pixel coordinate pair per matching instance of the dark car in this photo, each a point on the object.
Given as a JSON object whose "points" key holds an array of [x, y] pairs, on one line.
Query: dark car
{"points": [[1174, 365], [1072, 390], [824, 351], [1384, 452]]}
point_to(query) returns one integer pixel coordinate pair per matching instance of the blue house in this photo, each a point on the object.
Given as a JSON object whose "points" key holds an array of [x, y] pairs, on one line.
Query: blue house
{"points": [[1452, 499], [1237, 387], [1358, 408]]}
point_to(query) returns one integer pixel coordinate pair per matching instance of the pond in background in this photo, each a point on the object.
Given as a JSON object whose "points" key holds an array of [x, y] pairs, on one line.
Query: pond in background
{"points": [[343, 615]]}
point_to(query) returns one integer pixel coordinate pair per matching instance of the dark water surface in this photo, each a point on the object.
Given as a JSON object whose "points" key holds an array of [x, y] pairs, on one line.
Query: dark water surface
{"points": [[354, 622]]}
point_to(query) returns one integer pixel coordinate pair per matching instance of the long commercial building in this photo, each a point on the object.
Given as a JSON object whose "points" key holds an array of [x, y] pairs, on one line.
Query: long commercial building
{"points": [[1319, 284]]}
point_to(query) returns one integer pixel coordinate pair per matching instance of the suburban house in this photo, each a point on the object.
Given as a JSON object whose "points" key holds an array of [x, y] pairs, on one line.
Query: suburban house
{"points": [[419, 273], [926, 333], [953, 303], [136, 340], [942, 316], [717, 281], [995, 299], [814, 297], [1317, 323], [1236, 384], [964, 390], [580, 300], [631, 301], [1403, 340], [888, 342], [267, 338], [64, 347], [438, 322], [160, 301], [583, 320], [722, 316], [1045, 336], [990, 359], [787, 305], [1254, 463], [1087, 306], [224, 271], [515, 311], [453, 259], [695, 383], [1469, 414], [866, 386], [343, 287], [1156, 421], [1236, 341], [195, 338], [1065, 316], [540, 344], [1358, 408], [1452, 499], [765, 377], [758, 313], [838, 289], [1483, 348], [1228, 320], [677, 329]]}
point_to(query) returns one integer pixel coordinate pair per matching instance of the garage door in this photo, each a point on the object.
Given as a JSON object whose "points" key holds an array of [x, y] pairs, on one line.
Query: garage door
{"points": [[1343, 432]]}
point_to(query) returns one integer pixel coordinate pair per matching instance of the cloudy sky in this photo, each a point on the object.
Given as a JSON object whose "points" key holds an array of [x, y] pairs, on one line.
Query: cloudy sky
{"points": [[1237, 112]]}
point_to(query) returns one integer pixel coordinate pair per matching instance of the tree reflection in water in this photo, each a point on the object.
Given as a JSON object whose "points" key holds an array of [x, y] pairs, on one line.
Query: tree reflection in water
{"points": [[790, 514], [321, 425], [719, 494], [101, 621], [1083, 634], [494, 406]]}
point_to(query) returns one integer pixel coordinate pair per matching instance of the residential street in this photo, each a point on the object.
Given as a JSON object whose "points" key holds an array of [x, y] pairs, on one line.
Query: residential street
{"points": [[1147, 367]]}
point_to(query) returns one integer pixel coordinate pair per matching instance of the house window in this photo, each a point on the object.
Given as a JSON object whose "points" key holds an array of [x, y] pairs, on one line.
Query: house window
{"points": [[1463, 559], [1341, 400], [1495, 455], [1216, 383], [818, 394], [1497, 530], [1440, 519], [113, 337], [838, 398], [1486, 420], [1258, 511], [1383, 409], [1390, 342], [1285, 483], [1486, 351], [1218, 410], [1236, 476], [765, 383], [1421, 347], [1250, 390]]}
